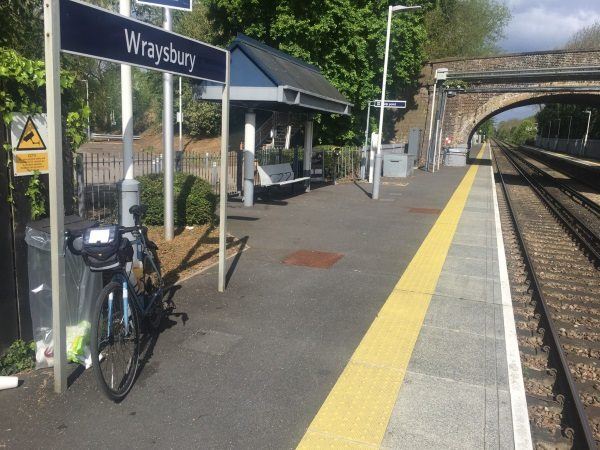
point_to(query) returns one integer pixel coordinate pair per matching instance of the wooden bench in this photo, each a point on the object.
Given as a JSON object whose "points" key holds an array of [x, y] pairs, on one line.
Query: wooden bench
{"points": [[278, 175]]}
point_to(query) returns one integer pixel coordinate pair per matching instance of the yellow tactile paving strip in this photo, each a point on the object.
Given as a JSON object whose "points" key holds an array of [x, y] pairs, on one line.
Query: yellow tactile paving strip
{"points": [[358, 408]]}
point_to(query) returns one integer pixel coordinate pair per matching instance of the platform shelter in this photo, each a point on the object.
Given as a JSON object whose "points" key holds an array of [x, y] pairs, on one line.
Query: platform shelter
{"points": [[266, 79]]}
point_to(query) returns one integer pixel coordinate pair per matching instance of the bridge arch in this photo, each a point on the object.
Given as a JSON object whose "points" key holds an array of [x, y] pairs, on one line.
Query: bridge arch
{"points": [[501, 103]]}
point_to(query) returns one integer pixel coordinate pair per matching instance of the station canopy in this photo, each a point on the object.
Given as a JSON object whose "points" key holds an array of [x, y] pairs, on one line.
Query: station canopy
{"points": [[265, 78]]}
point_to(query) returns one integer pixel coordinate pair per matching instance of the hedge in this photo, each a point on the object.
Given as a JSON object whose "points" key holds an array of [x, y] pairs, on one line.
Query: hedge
{"points": [[194, 200]]}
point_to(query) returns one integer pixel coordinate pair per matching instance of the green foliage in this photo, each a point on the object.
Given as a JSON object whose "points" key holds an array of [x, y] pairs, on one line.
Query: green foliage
{"points": [[518, 131], [20, 356], [200, 119], [464, 28], [588, 38], [21, 22], [76, 129], [344, 38], [37, 201], [563, 121], [194, 200], [487, 129]]}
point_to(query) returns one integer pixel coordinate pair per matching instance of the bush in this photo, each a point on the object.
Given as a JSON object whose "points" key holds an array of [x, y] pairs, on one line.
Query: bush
{"points": [[194, 200], [19, 357]]}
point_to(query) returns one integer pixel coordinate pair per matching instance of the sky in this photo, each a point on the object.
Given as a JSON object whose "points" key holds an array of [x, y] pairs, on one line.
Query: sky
{"points": [[544, 25]]}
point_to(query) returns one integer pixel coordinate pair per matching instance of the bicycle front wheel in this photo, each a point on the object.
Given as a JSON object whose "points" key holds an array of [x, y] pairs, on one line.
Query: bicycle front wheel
{"points": [[115, 340]]}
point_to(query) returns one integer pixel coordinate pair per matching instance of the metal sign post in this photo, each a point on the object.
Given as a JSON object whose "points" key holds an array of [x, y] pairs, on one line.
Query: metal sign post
{"points": [[223, 176], [168, 142], [55, 178]]}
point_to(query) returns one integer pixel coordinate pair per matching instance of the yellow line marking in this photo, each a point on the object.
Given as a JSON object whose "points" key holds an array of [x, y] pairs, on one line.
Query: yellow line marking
{"points": [[358, 408]]}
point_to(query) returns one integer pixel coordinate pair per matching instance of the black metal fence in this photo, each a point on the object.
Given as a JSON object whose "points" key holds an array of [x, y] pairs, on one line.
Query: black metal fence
{"points": [[97, 174]]}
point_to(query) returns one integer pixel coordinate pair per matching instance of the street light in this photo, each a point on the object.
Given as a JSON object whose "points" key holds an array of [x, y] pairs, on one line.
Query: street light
{"points": [[587, 132], [440, 74], [377, 175]]}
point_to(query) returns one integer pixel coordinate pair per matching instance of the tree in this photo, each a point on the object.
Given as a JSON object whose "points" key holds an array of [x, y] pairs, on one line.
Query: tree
{"points": [[344, 38], [465, 28], [585, 39], [575, 115]]}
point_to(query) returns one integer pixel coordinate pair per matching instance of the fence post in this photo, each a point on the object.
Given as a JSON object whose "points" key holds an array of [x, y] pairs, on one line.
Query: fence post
{"points": [[296, 162], [239, 169], [280, 155]]}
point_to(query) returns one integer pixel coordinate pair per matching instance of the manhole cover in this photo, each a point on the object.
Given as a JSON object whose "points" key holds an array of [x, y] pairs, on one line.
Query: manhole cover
{"points": [[425, 210], [312, 258]]}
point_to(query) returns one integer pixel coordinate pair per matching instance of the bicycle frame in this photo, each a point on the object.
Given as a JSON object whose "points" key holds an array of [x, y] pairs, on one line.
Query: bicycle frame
{"points": [[143, 304]]}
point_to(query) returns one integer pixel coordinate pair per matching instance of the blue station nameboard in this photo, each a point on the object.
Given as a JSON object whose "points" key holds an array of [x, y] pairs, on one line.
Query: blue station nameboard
{"points": [[95, 32], [390, 104], [176, 4]]}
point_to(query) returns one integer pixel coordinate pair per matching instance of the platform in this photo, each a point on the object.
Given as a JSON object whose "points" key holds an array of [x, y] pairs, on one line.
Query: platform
{"points": [[587, 163], [254, 367]]}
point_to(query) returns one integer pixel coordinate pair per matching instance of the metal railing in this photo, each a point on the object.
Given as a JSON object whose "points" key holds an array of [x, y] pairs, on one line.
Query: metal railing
{"points": [[97, 174], [571, 146]]}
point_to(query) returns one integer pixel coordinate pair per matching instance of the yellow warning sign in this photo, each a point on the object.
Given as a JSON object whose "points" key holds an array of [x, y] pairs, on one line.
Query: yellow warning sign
{"points": [[30, 138], [26, 163]]}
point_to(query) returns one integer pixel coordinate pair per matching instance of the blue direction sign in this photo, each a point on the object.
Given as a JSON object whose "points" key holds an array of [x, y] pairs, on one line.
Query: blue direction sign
{"points": [[390, 104], [91, 31], [175, 4]]}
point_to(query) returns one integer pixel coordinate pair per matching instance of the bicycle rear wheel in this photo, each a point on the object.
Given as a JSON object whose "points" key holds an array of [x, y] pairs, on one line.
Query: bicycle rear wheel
{"points": [[115, 340]]}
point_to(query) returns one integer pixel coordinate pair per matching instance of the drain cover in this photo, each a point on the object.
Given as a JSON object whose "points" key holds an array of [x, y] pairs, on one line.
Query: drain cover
{"points": [[425, 210], [312, 258]]}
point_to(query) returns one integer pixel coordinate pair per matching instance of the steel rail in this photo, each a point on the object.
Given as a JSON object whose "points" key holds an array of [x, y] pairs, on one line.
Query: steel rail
{"points": [[585, 202], [582, 417], [586, 236]]}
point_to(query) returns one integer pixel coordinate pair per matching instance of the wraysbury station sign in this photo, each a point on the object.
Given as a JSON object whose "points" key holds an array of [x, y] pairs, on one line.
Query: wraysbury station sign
{"points": [[91, 31], [78, 28]]}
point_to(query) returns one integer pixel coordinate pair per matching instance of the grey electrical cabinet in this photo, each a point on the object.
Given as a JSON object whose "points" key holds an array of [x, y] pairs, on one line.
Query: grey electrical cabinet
{"points": [[397, 165]]}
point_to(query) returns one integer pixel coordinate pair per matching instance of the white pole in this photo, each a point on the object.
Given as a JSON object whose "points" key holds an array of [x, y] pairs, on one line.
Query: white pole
{"points": [[180, 117], [168, 141], [431, 122], [377, 174], [55, 183], [367, 125], [308, 142], [249, 150], [223, 178], [126, 106], [587, 132]]}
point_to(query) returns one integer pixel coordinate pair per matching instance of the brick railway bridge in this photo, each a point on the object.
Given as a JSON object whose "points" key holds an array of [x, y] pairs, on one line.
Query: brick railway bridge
{"points": [[479, 88]]}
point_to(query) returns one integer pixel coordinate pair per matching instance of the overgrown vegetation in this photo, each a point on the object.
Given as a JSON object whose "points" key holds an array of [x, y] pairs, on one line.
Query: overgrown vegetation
{"points": [[19, 357], [588, 38], [568, 121], [194, 200]]}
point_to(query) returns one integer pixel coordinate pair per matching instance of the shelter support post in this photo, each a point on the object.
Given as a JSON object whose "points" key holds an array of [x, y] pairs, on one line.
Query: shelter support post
{"points": [[249, 149], [129, 188], [308, 143], [55, 182]]}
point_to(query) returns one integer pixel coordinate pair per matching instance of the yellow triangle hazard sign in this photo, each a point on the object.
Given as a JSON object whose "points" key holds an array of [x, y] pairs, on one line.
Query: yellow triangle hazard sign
{"points": [[30, 138]]}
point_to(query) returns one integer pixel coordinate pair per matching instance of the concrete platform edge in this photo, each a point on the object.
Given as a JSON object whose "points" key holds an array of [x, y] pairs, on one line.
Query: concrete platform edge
{"points": [[520, 416]]}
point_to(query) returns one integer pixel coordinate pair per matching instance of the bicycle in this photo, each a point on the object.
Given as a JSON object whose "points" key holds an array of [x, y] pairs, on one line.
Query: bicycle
{"points": [[116, 326]]}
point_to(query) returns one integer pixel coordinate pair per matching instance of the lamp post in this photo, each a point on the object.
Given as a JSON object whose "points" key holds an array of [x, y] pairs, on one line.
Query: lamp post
{"points": [[440, 74], [377, 174], [587, 131]]}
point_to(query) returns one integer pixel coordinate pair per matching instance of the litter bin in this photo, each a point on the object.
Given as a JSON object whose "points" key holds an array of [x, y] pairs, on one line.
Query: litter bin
{"points": [[397, 165], [81, 289], [456, 157]]}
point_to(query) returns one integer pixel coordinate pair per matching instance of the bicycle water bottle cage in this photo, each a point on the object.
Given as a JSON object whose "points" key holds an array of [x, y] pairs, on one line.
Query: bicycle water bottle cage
{"points": [[104, 248]]}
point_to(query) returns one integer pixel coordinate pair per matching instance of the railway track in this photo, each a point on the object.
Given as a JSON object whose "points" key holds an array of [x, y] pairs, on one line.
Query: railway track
{"points": [[552, 240]]}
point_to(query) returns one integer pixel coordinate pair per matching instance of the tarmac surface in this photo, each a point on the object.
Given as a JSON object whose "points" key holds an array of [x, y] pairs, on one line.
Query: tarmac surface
{"points": [[251, 367]]}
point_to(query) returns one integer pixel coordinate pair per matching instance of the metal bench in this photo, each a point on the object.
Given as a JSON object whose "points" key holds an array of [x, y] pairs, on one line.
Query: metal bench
{"points": [[278, 175]]}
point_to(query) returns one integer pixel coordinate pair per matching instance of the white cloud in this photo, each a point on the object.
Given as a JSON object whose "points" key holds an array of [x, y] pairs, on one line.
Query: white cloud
{"points": [[546, 25]]}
